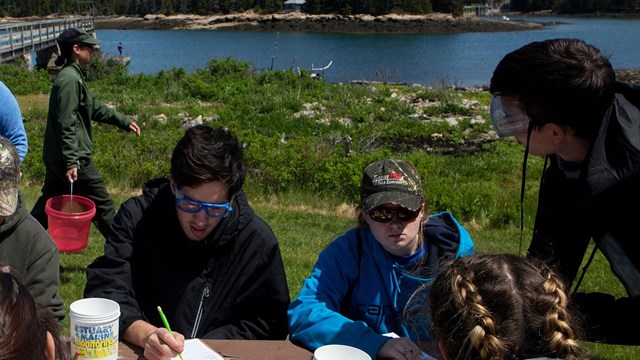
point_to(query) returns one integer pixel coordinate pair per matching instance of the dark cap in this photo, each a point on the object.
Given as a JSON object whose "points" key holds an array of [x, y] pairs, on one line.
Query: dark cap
{"points": [[390, 181], [77, 36], [9, 177]]}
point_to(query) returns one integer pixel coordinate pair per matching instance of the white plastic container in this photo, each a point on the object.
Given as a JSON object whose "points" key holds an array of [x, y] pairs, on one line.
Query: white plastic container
{"points": [[339, 352], [94, 328]]}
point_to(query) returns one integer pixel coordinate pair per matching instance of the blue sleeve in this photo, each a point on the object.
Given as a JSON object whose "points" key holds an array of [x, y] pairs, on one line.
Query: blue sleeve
{"points": [[11, 125], [315, 317]]}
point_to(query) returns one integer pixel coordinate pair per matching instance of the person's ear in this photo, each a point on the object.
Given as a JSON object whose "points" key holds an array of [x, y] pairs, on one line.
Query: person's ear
{"points": [[172, 185], [50, 348], [557, 132]]}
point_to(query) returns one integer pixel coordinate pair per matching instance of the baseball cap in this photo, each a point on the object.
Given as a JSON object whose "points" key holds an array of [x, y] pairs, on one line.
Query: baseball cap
{"points": [[390, 181], [9, 177], [77, 36]]}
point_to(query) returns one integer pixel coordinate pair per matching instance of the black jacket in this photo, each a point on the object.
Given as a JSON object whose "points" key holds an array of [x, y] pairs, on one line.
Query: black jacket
{"points": [[231, 285], [601, 203], [572, 211]]}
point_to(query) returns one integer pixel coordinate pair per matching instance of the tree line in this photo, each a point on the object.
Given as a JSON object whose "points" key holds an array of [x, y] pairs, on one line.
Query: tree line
{"points": [[19, 8]]}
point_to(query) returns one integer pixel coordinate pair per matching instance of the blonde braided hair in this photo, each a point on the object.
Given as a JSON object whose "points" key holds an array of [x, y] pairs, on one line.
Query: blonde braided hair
{"points": [[561, 336], [502, 307], [483, 329]]}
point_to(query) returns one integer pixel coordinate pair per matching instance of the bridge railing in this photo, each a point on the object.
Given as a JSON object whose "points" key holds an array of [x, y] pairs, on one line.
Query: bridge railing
{"points": [[19, 39]]}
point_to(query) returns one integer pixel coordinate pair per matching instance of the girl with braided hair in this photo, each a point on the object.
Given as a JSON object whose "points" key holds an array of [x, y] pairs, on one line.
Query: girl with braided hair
{"points": [[502, 306]]}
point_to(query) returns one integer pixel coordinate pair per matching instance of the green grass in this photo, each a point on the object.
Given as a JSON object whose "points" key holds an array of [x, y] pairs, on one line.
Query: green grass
{"points": [[304, 185]]}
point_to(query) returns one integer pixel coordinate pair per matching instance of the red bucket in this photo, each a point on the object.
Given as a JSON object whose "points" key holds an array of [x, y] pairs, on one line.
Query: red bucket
{"points": [[70, 221]]}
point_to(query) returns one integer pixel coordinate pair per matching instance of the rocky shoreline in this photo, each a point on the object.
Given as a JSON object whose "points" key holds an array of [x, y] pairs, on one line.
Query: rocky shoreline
{"points": [[391, 23]]}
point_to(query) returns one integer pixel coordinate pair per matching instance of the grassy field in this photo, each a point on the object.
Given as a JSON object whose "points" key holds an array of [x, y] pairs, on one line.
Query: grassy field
{"points": [[307, 143]]}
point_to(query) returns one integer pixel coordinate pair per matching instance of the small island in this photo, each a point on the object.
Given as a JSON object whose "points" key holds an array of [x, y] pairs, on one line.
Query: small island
{"points": [[436, 23]]}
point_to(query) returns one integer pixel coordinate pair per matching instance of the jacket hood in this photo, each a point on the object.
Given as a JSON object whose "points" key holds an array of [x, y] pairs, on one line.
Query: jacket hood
{"points": [[444, 233], [227, 229], [615, 154]]}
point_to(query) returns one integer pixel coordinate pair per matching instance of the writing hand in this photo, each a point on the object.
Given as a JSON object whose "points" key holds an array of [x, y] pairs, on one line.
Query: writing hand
{"points": [[163, 345]]}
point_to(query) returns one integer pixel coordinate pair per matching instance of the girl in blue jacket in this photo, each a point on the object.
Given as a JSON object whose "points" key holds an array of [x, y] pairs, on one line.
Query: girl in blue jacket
{"points": [[364, 283]]}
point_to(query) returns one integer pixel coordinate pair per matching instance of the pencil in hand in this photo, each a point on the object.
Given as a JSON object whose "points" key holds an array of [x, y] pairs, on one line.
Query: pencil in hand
{"points": [[166, 325]]}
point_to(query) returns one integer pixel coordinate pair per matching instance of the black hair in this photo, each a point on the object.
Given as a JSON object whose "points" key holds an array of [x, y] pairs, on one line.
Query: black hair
{"points": [[206, 154], [562, 81]]}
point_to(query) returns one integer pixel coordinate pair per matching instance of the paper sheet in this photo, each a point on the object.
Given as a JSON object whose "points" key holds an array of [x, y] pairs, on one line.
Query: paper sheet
{"points": [[195, 349]]}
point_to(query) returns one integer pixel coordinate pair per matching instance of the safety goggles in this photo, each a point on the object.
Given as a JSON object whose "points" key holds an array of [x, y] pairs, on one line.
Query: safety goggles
{"points": [[191, 206], [384, 214], [513, 121]]}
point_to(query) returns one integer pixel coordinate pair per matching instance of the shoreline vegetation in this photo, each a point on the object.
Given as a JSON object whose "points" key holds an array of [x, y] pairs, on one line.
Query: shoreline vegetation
{"points": [[437, 23]]}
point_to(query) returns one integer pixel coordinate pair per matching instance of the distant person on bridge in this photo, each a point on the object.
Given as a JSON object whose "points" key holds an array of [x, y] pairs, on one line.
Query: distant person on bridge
{"points": [[68, 142], [120, 48]]}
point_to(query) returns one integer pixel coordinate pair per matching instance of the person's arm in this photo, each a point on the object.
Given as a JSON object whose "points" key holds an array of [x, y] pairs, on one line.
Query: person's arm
{"points": [[110, 275], [104, 114], [560, 233], [11, 125], [315, 317], [42, 277]]}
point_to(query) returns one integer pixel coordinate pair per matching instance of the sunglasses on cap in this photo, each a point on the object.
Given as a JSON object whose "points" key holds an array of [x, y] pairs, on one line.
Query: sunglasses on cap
{"points": [[385, 213], [191, 206], [512, 122]]}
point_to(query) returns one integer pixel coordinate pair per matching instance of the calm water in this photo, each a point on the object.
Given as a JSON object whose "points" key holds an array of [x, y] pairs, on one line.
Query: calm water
{"points": [[462, 59]]}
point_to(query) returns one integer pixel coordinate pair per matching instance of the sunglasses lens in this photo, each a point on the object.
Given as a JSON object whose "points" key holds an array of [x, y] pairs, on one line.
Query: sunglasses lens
{"points": [[384, 215], [407, 215]]}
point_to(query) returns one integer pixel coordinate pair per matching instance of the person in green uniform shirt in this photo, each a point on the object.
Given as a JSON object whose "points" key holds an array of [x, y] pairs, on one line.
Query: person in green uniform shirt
{"points": [[68, 140]]}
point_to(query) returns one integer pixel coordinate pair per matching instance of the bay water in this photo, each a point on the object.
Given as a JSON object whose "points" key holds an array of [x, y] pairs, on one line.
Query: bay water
{"points": [[465, 59]]}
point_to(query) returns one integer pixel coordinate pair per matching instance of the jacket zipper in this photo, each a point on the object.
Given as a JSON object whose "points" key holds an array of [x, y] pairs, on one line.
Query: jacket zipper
{"points": [[205, 294]]}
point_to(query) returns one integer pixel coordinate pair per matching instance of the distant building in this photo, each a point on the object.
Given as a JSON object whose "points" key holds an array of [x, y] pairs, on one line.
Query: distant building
{"points": [[478, 9], [294, 5]]}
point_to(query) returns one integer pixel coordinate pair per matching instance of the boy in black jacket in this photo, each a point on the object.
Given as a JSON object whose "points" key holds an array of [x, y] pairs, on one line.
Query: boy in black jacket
{"points": [[561, 100], [192, 245]]}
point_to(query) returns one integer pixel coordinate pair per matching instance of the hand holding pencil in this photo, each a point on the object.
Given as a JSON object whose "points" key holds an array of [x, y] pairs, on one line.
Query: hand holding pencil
{"points": [[165, 340]]}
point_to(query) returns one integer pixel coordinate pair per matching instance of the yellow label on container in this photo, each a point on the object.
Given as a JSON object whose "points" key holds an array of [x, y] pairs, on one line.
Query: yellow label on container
{"points": [[94, 342]]}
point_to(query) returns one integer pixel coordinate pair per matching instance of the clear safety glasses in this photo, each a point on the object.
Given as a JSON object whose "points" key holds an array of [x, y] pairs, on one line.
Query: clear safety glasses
{"points": [[508, 117]]}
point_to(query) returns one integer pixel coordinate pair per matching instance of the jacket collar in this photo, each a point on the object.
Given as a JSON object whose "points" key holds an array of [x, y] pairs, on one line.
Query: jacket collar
{"points": [[78, 68], [615, 154]]}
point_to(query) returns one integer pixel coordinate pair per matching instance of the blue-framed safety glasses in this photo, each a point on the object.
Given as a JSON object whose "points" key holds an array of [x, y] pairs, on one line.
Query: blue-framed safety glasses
{"points": [[191, 206]]}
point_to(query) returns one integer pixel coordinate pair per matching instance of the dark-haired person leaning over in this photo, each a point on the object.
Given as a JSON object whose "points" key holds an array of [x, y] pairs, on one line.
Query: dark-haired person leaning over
{"points": [[560, 98]]}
